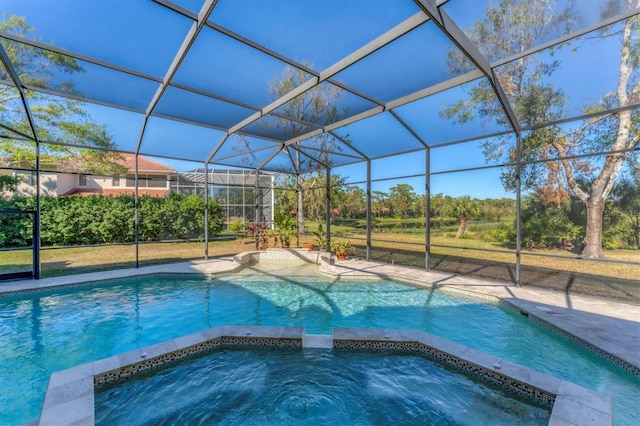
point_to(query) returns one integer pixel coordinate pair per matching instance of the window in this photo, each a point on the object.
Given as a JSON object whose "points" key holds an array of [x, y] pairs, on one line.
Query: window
{"points": [[156, 181], [115, 181], [82, 180], [29, 178], [147, 181]]}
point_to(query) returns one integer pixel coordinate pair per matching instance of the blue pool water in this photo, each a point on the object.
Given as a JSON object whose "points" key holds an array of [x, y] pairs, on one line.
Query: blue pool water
{"points": [[47, 332], [311, 387]]}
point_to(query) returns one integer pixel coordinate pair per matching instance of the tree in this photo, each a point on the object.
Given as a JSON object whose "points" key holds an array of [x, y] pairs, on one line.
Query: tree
{"points": [[521, 23], [437, 205], [380, 203], [284, 192], [550, 225], [401, 198], [626, 195], [317, 106], [7, 184], [354, 205], [73, 140], [462, 208]]}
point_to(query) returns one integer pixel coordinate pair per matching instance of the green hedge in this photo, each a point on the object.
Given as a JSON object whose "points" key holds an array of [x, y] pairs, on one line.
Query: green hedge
{"points": [[98, 219]]}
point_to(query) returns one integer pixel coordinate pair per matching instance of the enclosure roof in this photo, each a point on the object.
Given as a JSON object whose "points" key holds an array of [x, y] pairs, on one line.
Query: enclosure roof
{"points": [[293, 86]]}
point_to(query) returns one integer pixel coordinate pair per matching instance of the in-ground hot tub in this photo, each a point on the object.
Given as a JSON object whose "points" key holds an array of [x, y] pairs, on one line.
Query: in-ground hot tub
{"points": [[319, 388]]}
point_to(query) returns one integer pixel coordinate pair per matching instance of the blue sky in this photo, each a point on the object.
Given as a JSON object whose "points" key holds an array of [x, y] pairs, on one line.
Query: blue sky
{"points": [[121, 32]]}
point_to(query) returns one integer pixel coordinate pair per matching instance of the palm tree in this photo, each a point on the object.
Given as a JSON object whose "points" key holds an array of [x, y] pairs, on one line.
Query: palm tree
{"points": [[462, 208]]}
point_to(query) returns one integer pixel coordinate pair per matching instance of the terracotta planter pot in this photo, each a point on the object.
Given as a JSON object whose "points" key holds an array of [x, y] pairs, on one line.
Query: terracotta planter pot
{"points": [[308, 246], [342, 255]]}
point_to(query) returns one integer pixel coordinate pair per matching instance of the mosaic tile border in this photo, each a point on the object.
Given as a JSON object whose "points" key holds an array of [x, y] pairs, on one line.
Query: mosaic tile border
{"points": [[572, 404], [358, 340], [70, 394]]}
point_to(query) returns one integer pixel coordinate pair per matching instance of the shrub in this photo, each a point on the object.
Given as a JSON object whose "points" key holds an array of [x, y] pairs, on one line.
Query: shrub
{"points": [[98, 219], [238, 227], [499, 234]]}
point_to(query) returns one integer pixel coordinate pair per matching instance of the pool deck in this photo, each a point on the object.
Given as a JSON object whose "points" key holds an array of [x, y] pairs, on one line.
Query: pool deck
{"points": [[612, 327]]}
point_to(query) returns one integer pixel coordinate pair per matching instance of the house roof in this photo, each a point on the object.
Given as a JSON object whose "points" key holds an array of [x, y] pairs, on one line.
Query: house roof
{"points": [[154, 192], [144, 164]]}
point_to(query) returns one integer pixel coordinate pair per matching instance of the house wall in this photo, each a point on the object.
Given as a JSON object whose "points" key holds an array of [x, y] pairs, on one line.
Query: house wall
{"points": [[66, 183], [27, 185], [99, 182]]}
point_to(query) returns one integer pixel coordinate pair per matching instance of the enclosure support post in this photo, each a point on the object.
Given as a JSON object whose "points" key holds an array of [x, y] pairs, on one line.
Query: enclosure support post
{"points": [[206, 210], [299, 201], [427, 209], [272, 189], [36, 220], [518, 183], [369, 221], [13, 75], [327, 215], [137, 214], [256, 204]]}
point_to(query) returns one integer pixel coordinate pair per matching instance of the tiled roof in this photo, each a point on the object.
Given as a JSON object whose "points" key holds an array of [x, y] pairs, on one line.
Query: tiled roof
{"points": [[144, 164], [153, 192]]}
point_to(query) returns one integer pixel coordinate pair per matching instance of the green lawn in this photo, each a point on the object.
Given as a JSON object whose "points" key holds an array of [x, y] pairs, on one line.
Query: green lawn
{"points": [[462, 256]]}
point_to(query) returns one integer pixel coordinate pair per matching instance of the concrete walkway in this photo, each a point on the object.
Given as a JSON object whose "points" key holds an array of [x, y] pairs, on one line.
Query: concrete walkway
{"points": [[612, 327]]}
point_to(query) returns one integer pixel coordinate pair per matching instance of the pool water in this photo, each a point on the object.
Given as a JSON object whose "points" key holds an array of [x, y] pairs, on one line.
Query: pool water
{"points": [[46, 332], [318, 387]]}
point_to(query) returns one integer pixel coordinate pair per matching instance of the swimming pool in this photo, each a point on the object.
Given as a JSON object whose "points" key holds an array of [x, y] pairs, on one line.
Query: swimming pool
{"points": [[46, 332], [252, 386]]}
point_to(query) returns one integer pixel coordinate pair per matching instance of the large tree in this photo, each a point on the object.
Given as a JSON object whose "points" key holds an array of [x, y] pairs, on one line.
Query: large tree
{"points": [[72, 140], [512, 26], [315, 106], [402, 199]]}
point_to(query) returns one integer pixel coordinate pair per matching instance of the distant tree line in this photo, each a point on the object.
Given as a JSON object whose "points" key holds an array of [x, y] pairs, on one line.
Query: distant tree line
{"points": [[545, 224], [97, 219]]}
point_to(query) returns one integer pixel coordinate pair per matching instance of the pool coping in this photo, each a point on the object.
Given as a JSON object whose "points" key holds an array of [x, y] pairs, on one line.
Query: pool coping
{"points": [[70, 396]]}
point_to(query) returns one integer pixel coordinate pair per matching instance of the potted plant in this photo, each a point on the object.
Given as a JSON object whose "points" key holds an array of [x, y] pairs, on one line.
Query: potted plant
{"points": [[341, 248], [307, 245]]}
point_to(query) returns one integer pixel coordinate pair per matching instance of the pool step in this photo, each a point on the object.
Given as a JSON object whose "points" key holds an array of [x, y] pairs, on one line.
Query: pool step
{"points": [[323, 341]]}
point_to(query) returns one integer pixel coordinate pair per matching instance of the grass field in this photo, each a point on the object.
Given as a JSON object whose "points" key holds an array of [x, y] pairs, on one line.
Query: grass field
{"points": [[77, 260], [462, 256]]}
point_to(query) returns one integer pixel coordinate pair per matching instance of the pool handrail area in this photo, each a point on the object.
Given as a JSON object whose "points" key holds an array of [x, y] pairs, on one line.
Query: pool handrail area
{"points": [[70, 393]]}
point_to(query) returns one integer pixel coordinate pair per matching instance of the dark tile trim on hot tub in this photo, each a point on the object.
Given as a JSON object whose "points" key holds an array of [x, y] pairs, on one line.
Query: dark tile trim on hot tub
{"points": [[70, 394]]}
